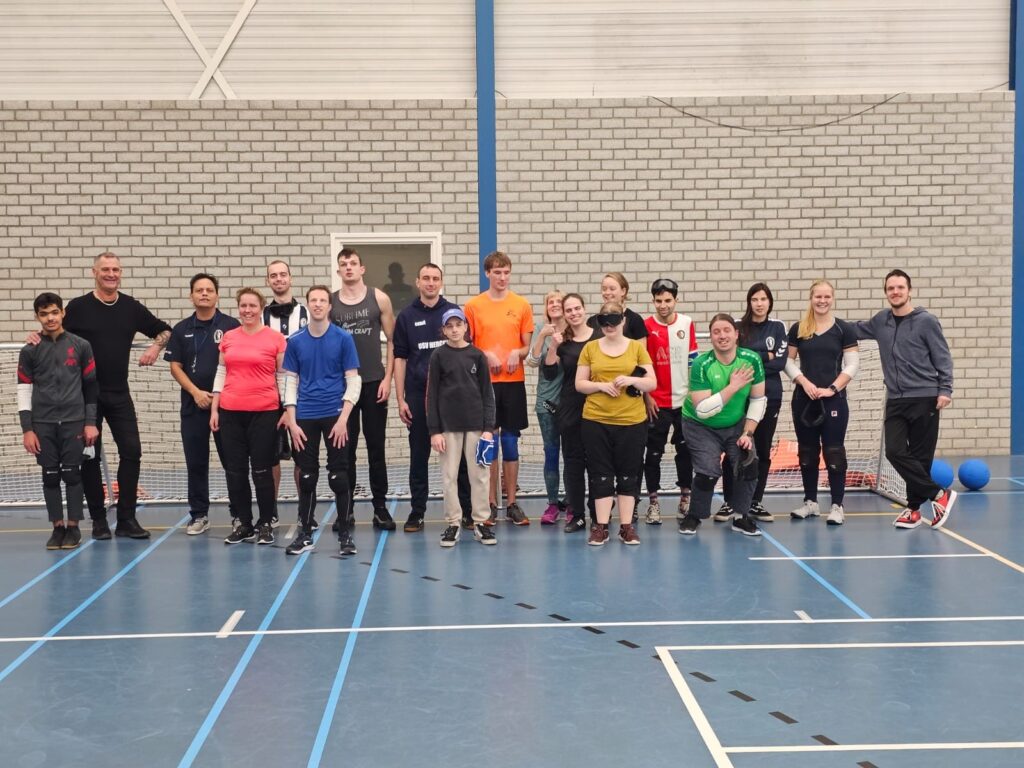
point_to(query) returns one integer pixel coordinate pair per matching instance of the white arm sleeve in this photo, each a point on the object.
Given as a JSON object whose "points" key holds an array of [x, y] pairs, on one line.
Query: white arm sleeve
{"points": [[24, 397], [291, 388], [353, 387], [756, 408], [793, 369], [218, 380], [282, 383], [851, 362], [709, 406]]}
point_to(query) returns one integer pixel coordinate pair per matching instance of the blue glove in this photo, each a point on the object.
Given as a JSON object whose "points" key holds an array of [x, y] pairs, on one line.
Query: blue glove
{"points": [[485, 452]]}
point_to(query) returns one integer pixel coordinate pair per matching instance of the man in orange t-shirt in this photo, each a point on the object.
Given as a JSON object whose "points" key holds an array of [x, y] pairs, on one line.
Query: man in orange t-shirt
{"points": [[501, 324]]}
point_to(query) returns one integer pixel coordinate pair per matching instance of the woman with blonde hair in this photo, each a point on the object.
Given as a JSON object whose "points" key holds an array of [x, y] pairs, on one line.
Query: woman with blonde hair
{"points": [[615, 287], [547, 402], [823, 359]]}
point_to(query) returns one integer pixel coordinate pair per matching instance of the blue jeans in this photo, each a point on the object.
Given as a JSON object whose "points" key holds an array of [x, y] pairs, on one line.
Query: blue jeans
{"points": [[549, 434]]}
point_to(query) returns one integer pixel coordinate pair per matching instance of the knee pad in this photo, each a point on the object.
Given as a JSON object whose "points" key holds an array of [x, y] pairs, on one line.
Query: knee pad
{"points": [[338, 482], [51, 477], [262, 477], [601, 487], [835, 458], [704, 482], [71, 476], [308, 481], [808, 455], [509, 445], [627, 485]]}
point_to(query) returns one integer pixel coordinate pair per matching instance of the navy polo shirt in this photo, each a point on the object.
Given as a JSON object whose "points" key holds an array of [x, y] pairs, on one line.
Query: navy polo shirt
{"points": [[195, 344]]}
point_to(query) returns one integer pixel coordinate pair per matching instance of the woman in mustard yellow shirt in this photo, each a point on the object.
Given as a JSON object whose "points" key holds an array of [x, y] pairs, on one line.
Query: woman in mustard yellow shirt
{"points": [[614, 372]]}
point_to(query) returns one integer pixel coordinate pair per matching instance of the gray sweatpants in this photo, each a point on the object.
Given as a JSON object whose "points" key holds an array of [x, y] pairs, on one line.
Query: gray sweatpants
{"points": [[707, 445]]}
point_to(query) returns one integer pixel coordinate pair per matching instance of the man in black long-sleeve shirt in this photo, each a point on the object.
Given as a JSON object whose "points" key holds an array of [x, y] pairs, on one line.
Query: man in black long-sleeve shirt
{"points": [[109, 320]]}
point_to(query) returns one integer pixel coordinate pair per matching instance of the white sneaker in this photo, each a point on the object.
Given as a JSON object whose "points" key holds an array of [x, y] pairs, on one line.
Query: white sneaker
{"points": [[836, 516], [653, 516], [805, 510], [197, 526]]}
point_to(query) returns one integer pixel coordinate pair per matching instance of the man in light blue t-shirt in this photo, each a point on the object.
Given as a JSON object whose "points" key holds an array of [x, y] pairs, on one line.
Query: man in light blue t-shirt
{"points": [[322, 385]]}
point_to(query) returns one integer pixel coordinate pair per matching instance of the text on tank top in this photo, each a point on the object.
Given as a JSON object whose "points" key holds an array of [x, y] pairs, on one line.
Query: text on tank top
{"points": [[362, 320]]}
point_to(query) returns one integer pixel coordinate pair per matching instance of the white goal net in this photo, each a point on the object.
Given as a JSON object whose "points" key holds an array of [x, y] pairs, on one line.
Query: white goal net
{"points": [[163, 475]]}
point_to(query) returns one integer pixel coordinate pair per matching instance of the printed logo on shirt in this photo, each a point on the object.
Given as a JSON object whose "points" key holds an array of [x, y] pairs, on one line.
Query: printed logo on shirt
{"points": [[419, 323], [303, 321], [71, 359], [770, 343], [473, 369], [217, 336], [680, 334]]}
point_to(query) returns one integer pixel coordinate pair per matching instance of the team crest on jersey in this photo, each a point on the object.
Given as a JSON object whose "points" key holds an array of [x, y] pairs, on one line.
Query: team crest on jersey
{"points": [[473, 369], [303, 321], [681, 334], [770, 343], [217, 336]]}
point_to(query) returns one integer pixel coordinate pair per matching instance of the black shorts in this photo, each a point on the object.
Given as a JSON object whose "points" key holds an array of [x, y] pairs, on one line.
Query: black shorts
{"points": [[510, 406], [60, 444]]}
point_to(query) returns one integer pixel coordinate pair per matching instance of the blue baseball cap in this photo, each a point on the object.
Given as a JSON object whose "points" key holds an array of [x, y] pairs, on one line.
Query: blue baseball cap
{"points": [[453, 312]]}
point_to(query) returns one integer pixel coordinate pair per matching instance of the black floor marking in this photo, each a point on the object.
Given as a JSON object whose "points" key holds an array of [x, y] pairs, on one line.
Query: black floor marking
{"points": [[527, 606], [365, 562], [461, 586], [628, 644], [496, 597], [702, 676], [559, 616], [742, 696], [867, 764], [595, 630], [398, 570], [825, 740], [783, 717], [429, 578]]}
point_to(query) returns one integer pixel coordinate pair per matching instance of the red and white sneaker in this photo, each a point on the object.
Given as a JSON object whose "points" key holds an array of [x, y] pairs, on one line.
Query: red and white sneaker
{"points": [[942, 506], [908, 518]]}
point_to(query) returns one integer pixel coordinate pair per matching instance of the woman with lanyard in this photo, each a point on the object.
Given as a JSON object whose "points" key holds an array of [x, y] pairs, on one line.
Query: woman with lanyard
{"points": [[828, 360], [246, 410], [767, 337], [560, 361], [614, 372], [547, 402]]}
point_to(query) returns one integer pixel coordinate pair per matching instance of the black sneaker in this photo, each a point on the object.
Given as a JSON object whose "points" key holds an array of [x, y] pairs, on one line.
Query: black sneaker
{"points": [[314, 525], [745, 524], [56, 540], [265, 534], [382, 520], [514, 514], [574, 524], [493, 519], [688, 525], [334, 526], [467, 522], [724, 514], [303, 542], [450, 536], [347, 547], [484, 534], [759, 513], [241, 532], [131, 529], [414, 524], [72, 537], [100, 529]]}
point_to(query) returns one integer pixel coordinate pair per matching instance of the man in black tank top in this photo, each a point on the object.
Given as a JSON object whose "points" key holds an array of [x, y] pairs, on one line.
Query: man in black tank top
{"points": [[366, 312]]}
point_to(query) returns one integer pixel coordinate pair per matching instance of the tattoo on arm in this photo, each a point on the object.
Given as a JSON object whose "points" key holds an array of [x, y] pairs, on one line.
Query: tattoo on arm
{"points": [[162, 338]]}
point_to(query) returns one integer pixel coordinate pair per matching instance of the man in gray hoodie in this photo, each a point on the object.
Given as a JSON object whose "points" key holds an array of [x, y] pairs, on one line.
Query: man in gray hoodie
{"points": [[918, 372]]}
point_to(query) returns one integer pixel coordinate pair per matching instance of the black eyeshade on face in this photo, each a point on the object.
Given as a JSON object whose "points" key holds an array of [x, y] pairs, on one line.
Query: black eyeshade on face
{"points": [[609, 320]]}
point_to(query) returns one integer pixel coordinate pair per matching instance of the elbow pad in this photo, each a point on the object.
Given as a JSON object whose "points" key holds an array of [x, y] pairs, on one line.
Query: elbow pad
{"points": [[282, 384], [218, 380], [353, 388], [709, 406], [291, 389], [793, 369], [24, 397], [756, 408], [851, 362]]}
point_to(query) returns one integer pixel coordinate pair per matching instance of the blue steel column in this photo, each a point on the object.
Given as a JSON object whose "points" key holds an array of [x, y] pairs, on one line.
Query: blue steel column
{"points": [[1017, 311], [486, 135]]}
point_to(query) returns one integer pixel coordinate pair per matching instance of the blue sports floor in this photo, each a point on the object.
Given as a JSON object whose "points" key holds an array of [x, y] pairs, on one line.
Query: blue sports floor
{"points": [[809, 647]]}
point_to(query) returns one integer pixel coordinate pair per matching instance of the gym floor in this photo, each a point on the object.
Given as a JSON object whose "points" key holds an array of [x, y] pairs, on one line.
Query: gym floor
{"points": [[810, 646]]}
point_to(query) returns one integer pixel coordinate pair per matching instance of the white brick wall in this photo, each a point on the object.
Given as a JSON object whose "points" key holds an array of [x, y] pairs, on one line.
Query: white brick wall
{"points": [[922, 182]]}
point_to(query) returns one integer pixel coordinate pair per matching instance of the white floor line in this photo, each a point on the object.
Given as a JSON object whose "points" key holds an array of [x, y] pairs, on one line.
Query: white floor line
{"points": [[871, 557], [850, 646], [291, 532], [230, 625], [718, 754], [804, 617], [878, 747], [523, 626]]}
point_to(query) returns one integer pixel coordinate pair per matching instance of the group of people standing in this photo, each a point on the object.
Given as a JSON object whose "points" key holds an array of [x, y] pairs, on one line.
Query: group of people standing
{"points": [[614, 389]]}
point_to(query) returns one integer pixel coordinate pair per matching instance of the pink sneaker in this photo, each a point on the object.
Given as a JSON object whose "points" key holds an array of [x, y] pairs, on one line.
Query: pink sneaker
{"points": [[550, 516]]}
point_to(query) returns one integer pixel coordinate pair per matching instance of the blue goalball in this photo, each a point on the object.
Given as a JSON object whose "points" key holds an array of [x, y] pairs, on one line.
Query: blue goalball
{"points": [[974, 474], [942, 473]]}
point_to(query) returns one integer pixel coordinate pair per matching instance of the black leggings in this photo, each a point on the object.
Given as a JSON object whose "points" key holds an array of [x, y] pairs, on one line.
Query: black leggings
{"points": [[829, 436], [249, 437]]}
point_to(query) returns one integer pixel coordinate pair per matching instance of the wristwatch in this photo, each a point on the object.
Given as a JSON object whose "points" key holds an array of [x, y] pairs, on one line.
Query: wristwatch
{"points": [[834, 388]]}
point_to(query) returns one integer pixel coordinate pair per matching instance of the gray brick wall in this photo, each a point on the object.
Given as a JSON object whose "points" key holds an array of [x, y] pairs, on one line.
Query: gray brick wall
{"points": [[714, 192]]}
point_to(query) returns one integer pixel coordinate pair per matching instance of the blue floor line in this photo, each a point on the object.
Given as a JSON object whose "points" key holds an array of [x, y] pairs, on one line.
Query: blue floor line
{"points": [[87, 602], [63, 561], [817, 576], [229, 687], [350, 644]]}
